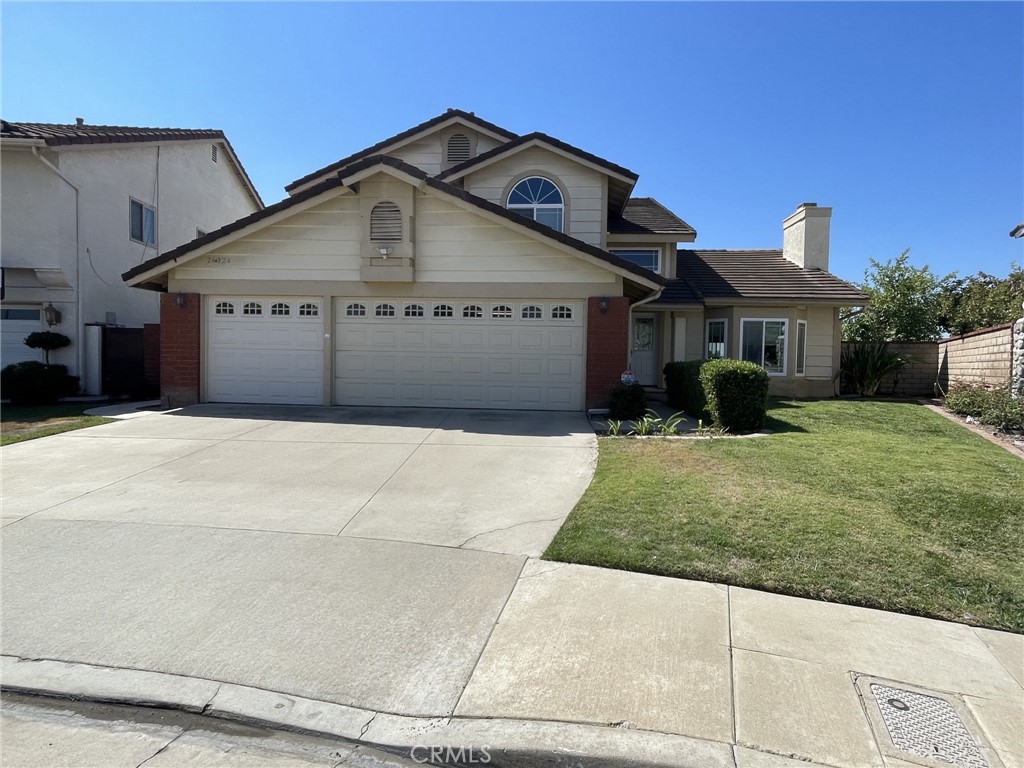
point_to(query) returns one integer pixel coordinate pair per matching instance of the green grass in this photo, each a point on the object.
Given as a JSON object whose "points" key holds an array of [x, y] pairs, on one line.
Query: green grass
{"points": [[27, 422], [880, 504]]}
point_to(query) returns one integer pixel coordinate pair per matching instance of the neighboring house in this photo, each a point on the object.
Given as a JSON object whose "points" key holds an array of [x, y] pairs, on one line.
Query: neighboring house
{"points": [[80, 204], [458, 264]]}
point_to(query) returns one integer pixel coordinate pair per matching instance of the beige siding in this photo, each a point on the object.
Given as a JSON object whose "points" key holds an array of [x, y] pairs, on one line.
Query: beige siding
{"points": [[427, 153], [819, 342], [584, 187], [453, 246]]}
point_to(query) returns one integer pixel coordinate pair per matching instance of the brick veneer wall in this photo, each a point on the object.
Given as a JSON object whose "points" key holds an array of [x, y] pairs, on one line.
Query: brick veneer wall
{"points": [[981, 357], [179, 350], [607, 347], [151, 359]]}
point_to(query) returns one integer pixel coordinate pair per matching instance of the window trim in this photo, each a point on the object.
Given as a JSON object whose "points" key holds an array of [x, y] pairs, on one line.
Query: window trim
{"points": [[156, 230], [800, 365], [656, 251], [785, 351], [725, 335]]}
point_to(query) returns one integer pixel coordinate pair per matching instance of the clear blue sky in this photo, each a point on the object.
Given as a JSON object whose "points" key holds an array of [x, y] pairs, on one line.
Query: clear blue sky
{"points": [[907, 118]]}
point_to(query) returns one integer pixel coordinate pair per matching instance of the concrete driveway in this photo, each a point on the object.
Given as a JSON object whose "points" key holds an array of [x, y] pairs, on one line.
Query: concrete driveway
{"points": [[497, 481]]}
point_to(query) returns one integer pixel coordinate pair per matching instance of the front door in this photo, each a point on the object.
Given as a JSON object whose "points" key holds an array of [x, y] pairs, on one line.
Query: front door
{"points": [[645, 350]]}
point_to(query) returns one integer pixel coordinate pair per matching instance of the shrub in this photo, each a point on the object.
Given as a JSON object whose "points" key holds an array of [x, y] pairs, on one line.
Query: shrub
{"points": [[737, 393], [863, 365], [627, 402], [47, 341], [996, 407], [33, 383], [966, 399], [684, 390]]}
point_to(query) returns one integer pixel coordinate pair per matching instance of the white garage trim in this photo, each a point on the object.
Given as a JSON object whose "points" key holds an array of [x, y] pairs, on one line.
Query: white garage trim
{"points": [[521, 354], [17, 322], [264, 349]]}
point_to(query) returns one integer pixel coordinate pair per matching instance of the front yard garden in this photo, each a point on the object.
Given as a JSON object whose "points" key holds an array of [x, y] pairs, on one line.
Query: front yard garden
{"points": [[26, 422], [880, 504]]}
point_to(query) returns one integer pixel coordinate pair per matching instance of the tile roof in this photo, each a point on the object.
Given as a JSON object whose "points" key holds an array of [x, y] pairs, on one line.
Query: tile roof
{"points": [[468, 117], [543, 137], [646, 216], [759, 275], [411, 170], [55, 134]]}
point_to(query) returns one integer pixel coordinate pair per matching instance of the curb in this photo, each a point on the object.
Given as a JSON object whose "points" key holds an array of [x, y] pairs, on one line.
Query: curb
{"points": [[507, 743]]}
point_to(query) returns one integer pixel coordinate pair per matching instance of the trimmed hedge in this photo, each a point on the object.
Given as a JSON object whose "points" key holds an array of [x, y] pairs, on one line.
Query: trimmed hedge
{"points": [[737, 393], [627, 402], [684, 389], [33, 383]]}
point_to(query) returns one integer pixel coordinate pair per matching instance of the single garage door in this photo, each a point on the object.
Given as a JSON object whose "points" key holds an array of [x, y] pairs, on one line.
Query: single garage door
{"points": [[264, 350], [15, 324], [478, 353]]}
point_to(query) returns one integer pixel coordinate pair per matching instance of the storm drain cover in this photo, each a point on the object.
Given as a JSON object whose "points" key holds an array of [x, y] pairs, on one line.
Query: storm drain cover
{"points": [[927, 726]]}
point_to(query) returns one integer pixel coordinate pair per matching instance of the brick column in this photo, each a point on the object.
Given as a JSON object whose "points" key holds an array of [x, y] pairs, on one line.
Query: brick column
{"points": [[179, 350], [607, 347]]}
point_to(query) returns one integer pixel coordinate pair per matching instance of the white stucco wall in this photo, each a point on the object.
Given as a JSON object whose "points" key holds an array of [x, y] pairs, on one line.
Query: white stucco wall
{"points": [[188, 189]]}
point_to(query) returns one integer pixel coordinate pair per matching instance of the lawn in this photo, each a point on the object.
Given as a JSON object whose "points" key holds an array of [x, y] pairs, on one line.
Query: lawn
{"points": [[26, 422], [881, 504]]}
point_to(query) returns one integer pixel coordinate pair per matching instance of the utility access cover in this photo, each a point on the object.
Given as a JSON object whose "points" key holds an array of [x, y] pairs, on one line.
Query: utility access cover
{"points": [[924, 728]]}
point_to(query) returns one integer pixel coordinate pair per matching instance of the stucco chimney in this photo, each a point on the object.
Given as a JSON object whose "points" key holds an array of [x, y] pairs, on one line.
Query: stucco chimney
{"points": [[805, 236]]}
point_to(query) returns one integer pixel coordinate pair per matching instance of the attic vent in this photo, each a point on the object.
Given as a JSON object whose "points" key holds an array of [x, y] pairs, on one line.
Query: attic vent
{"points": [[386, 223], [458, 148], [213, 152]]}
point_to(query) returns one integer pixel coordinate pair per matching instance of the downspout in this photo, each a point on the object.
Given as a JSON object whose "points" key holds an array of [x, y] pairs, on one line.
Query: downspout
{"points": [[632, 307], [79, 327]]}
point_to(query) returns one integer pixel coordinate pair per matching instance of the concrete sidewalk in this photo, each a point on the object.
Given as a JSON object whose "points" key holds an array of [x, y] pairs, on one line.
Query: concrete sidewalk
{"points": [[627, 668]]}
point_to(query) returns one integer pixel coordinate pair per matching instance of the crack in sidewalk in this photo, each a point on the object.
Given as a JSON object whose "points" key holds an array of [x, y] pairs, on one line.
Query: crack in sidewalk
{"points": [[508, 528]]}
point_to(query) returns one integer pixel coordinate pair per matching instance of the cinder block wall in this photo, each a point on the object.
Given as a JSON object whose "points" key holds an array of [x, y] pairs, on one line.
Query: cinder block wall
{"points": [[981, 357], [919, 377]]}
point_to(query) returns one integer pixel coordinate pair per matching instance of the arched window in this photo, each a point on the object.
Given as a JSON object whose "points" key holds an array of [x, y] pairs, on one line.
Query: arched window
{"points": [[501, 311], [472, 311], [386, 223], [561, 313], [280, 309], [384, 310], [224, 308], [309, 310], [355, 310], [457, 150], [539, 199], [532, 312], [443, 310], [252, 308], [414, 310]]}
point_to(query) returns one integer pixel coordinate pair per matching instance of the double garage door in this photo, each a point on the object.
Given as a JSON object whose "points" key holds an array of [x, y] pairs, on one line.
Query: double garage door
{"points": [[458, 353]]}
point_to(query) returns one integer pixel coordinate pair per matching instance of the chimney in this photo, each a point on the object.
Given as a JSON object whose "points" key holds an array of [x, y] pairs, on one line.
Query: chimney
{"points": [[805, 236], [79, 121]]}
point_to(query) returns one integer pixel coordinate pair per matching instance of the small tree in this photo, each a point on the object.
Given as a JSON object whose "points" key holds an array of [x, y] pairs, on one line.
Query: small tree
{"points": [[906, 303], [47, 341], [981, 300]]}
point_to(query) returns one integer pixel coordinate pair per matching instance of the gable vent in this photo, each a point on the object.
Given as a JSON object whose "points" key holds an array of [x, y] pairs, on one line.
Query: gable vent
{"points": [[386, 223], [458, 148], [213, 152]]}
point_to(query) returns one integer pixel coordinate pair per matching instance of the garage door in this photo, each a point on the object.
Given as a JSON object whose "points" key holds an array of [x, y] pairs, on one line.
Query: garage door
{"points": [[15, 324], [264, 350], [459, 353]]}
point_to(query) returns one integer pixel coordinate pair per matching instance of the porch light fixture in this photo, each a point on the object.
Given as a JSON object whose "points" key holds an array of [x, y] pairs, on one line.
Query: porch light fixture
{"points": [[384, 251], [51, 314], [180, 299], [603, 305]]}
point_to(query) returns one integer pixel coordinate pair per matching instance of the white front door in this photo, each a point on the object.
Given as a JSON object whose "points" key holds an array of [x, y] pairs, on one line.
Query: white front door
{"points": [[15, 324], [644, 354], [264, 349], [459, 353]]}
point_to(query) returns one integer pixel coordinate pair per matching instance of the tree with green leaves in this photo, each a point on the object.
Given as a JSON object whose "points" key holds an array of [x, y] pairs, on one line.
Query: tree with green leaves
{"points": [[905, 303], [982, 300]]}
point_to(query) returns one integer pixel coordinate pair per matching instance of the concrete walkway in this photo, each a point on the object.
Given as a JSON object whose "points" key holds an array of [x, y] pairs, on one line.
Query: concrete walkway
{"points": [[131, 582]]}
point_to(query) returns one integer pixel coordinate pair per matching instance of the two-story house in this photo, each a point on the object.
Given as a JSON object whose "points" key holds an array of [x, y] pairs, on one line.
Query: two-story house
{"points": [[80, 204], [459, 264]]}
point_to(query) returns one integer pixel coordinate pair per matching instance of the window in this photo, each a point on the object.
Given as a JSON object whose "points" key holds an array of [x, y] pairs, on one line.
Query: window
{"points": [[457, 150], [532, 312], [142, 222], [280, 309], [213, 152], [501, 312], [252, 308], [414, 310], [801, 347], [309, 310], [19, 314], [224, 308], [384, 310], [386, 223], [539, 199], [764, 342], [472, 311], [355, 310], [717, 345], [444, 310], [561, 313], [648, 258]]}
